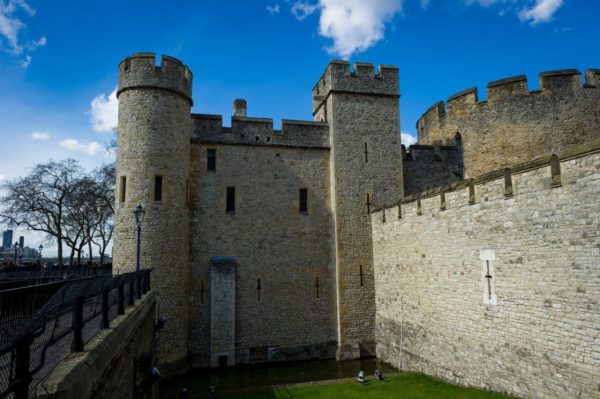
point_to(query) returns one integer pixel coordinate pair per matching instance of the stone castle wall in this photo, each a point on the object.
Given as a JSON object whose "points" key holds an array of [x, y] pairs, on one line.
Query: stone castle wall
{"points": [[531, 327], [362, 111], [154, 140], [259, 131], [426, 166], [514, 124], [108, 367], [268, 239]]}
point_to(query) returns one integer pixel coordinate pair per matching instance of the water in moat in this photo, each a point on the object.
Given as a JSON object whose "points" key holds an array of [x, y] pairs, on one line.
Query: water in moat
{"points": [[242, 378]]}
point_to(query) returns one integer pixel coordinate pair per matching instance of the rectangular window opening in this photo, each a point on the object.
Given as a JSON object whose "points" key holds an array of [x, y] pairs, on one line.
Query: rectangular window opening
{"points": [[317, 286], [230, 206], [303, 200], [122, 189], [366, 154], [258, 289], [158, 187], [211, 160]]}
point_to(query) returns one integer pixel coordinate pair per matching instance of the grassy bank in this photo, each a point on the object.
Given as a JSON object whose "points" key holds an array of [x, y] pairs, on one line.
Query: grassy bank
{"points": [[403, 386]]}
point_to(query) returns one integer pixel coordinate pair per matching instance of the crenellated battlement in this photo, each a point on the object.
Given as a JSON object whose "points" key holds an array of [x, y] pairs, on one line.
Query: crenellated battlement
{"points": [[259, 131], [139, 71], [522, 123], [338, 77], [562, 82]]}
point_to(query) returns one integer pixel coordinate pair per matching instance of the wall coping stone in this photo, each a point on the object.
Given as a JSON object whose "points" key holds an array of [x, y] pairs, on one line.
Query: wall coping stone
{"points": [[573, 152], [78, 375]]}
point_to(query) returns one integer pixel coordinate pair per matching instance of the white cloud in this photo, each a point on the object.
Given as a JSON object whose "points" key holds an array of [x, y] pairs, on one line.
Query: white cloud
{"points": [[11, 26], [542, 11], [273, 9], [104, 111], [25, 63], [355, 25], [425, 4], [38, 136], [302, 9], [533, 11], [91, 148], [352, 25], [407, 139], [2, 177]]}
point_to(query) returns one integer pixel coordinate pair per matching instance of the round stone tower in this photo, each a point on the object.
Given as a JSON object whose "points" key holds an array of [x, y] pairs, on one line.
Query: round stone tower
{"points": [[153, 154]]}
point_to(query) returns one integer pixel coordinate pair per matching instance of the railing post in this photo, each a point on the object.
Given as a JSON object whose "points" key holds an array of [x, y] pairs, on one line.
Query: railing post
{"points": [[121, 300], [131, 298], [77, 344], [22, 365], [105, 321], [139, 286]]}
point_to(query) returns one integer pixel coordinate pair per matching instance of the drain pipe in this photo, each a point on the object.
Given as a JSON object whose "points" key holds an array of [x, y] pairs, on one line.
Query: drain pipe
{"points": [[401, 330]]}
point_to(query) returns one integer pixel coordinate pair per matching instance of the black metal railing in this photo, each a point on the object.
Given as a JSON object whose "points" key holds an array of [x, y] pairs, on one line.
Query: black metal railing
{"points": [[42, 324], [55, 273]]}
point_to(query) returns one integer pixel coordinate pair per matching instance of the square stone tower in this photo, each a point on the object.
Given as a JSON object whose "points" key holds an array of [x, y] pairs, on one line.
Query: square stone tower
{"points": [[362, 110]]}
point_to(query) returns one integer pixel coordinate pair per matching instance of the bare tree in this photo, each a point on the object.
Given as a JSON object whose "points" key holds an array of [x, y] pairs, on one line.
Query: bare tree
{"points": [[39, 200], [104, 192]]}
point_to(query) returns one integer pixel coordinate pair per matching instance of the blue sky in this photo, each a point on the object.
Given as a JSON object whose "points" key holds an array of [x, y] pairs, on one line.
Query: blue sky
{"points": [[57, 58]]}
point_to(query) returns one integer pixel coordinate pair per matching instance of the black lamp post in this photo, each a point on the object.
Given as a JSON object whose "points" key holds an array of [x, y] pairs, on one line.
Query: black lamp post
{"points": [[16, 249], [40, 248], [138, 212]]}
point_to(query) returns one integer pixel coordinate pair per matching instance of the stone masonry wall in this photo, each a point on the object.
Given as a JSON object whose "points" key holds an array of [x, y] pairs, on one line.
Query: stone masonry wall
{"points": [[534, 331], [514, 124], [249, 131], [426, 167], [362, 111], [106, 369], [270, 240], [154, 140]]}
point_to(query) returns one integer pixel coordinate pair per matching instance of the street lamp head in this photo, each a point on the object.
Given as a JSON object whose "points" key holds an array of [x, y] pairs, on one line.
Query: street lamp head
{"points": [[41, 247], [139, 212]]}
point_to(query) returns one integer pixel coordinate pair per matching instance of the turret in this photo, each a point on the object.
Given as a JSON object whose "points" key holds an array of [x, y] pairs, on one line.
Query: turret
{"points": [[362, 111], [152, 170]]}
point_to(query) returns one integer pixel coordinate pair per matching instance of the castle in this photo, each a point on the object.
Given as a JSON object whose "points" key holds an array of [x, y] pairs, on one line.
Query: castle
{"points": [[471, 256]]}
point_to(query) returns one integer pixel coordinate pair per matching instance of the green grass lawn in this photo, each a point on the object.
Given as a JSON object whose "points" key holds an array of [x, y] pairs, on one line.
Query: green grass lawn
{"points": [[403, 386]]}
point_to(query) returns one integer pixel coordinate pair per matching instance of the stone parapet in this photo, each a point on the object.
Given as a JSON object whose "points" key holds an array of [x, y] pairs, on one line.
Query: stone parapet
{"points": [[514, 123], [139, 71], [106, 366]]}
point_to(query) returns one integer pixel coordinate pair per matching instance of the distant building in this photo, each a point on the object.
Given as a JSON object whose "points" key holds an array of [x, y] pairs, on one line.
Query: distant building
{"points": [[7, 238]]}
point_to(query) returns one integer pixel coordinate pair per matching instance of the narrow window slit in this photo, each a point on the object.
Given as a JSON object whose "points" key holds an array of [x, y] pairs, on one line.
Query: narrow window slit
{"points": [[158, 188], [123, 189], [303, 200], [361, 275], [211, 160], [230, 206], [258, 289]]}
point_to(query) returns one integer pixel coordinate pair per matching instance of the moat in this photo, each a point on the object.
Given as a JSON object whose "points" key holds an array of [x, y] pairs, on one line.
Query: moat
{"points": [[247, 378]]}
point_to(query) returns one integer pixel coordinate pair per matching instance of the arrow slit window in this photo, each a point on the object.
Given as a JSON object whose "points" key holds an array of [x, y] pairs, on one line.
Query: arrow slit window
{"points": [[488, 257]]}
